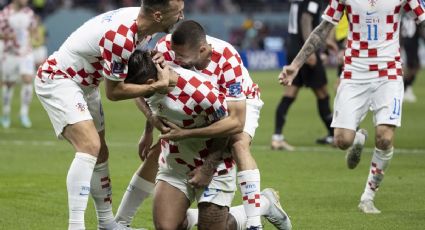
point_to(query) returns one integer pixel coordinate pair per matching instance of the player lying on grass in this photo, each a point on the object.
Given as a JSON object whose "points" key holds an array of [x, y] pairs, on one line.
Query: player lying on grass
{"points": [[191, 102]]}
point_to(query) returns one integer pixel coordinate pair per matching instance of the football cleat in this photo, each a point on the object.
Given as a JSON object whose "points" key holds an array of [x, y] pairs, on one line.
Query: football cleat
{"points": [[25, 121], [354, 152], [276, 215], [368, 207], [5, 122], [281, 145], [327, 140]]}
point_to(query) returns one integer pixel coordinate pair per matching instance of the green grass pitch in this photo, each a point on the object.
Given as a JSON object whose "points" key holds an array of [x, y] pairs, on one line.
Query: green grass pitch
{"points": [[316, 188]]}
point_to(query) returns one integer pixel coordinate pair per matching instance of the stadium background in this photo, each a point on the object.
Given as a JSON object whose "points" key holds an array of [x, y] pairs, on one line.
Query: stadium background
{"points": [[316, 189]]}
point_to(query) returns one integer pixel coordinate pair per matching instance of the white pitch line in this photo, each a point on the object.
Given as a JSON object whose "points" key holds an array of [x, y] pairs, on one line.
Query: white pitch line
{"points": [[259, 147]]}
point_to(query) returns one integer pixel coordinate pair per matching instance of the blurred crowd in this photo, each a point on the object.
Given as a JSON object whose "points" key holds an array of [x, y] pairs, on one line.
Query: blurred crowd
{"points": [[45, 7]]}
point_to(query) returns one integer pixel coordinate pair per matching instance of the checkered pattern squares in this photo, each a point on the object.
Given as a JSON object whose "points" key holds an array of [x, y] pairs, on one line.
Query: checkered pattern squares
{"points": [[254, 199], [116, 47], [334, 11], [197, 97], [373, 41], [27, 22]]}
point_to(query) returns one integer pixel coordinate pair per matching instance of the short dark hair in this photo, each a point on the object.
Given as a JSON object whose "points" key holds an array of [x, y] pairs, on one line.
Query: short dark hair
{"points": [[141, 68], [155, 4], [190, 33]]}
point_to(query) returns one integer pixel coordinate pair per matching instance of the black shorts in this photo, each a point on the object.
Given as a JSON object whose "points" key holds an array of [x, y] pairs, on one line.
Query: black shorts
{"points": [[411, 47], [313, 77]]}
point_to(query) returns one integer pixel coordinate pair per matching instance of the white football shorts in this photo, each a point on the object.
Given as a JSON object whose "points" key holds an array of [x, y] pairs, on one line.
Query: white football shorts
{"points": [[67, 103], [353, 100], [13, 67], [217, 192], [253, 108]]}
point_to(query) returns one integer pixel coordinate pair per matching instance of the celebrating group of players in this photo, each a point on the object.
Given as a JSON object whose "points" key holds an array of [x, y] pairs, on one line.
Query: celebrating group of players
{"points": [[196, 91]]}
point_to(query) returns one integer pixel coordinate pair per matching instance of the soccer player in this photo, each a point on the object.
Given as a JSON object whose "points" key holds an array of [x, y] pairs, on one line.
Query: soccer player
{"points": [[303, 17], [410, 43], [17, 26], [67, 85], [372, 78], [193, 101], [190, 47]]}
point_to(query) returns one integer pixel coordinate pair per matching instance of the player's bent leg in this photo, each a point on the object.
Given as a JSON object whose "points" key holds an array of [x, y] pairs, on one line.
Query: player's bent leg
{"points": [[212, 216], [7, 95], [141, 187], [169, 207], [85, 139], [344, 138], [353, 142], [26, 98], [381, 158], [248, 178]]}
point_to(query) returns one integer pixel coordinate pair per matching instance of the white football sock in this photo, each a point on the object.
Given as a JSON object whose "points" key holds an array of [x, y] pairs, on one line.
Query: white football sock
{"points": [[101, 192], [137, 191], [78, 186], [7, 94], [238, 213], [249, 182], [380, 161], [359, 138], [192, 218], [26, 98]]}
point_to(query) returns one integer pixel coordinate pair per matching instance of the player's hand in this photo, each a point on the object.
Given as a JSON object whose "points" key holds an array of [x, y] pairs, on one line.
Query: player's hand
{"points": [[176, 133], [145, 144], [158, 58], [159, 124], [163, 78], [200, 178], [287, 75], [311, 60]]}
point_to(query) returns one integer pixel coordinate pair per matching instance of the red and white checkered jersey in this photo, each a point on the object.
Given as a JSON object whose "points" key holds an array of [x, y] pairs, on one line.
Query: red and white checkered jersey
{"points": [[373, 48], [99, 48], [194, 102], [226, 70], [18, 23]]}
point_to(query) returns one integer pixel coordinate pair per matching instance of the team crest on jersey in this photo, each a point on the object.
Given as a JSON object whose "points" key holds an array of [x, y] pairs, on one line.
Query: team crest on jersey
{"points": [[80, 107], [235, 89], [372, 2], [117, 67]]}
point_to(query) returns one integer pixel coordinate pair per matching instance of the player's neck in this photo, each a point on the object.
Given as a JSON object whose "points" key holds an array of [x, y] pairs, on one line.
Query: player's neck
{"points": [[205, 59]]}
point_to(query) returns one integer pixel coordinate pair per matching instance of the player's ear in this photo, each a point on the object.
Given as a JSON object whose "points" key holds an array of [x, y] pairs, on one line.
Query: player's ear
{"points": [[202, 49], [157, 16], [150, 81]]}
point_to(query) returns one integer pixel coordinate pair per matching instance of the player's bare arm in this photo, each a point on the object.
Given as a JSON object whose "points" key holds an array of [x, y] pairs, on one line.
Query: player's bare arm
{"points": [[117, 90], [306, 29], [201, 176], [230, 125], [316, 39]]}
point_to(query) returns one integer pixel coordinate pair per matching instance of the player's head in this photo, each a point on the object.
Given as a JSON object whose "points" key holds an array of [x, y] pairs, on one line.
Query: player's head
{"points": [[141, 69], [21, 3], [189, 43], [165, 13]]}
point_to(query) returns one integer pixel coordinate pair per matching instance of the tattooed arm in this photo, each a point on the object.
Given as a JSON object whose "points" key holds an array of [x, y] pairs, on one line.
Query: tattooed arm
{"points": [[316, 39]]}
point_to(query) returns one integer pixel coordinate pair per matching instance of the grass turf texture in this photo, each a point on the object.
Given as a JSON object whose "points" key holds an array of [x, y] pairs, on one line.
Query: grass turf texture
{"points": [[316, 188]]}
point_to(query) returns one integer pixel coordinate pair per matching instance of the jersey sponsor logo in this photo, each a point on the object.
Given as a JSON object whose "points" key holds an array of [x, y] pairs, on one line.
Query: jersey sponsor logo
{"points": [[210, 192], [371, 13], [235, 89], [117, 67], [84, 190], [397, 109]]}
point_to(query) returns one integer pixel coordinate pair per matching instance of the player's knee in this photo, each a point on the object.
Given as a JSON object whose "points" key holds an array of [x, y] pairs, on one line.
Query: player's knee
{"points": [[166, 225], [91, 147], [342, 142], [383, 142], [208, 210]]}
